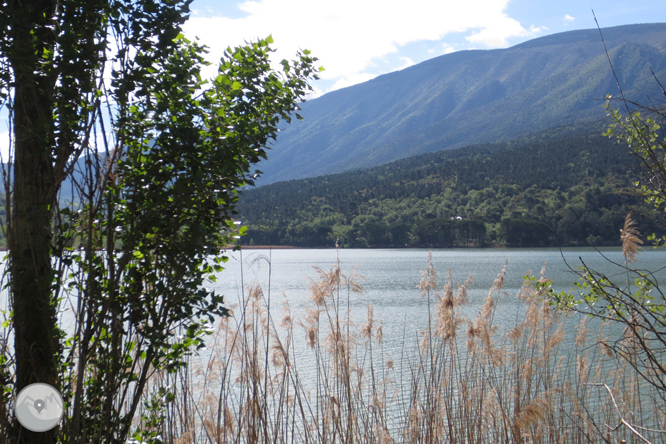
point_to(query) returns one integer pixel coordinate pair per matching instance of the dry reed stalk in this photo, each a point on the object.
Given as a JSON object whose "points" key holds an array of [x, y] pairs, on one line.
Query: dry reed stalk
{"points": [[517, 385], [630, 239]]}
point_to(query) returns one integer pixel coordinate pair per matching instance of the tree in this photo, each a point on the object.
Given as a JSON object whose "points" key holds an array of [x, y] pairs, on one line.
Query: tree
{"points": [[640, 309], [637, 303], [155, 155]]}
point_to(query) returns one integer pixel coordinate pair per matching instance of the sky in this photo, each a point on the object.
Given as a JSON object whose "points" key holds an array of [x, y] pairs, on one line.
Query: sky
{"points": [[357, 40]]}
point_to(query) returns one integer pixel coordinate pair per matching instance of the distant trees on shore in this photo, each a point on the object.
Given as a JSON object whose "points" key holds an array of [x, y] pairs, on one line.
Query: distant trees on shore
{"points": [[565, 192]]}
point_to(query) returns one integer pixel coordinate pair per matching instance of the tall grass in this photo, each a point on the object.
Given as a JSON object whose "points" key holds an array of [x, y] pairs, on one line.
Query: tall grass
{"points": [[466, 381]]}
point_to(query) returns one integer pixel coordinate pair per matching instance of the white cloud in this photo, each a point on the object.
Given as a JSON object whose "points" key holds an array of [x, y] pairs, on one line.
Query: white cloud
{"points": [[4, 145], [349, 35], [538, 29], [445, 48], [406, 62], [448, 49], [352, 79], [5, 141], [568, 19], [316, 92], [498, 28]]}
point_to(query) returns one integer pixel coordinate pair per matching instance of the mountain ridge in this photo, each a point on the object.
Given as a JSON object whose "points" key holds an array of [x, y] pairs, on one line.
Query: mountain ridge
{"points": [[468, 97]]}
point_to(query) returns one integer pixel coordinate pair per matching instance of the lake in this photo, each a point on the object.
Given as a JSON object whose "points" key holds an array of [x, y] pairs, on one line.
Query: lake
{"points": [[390, 281], [391, 276]]}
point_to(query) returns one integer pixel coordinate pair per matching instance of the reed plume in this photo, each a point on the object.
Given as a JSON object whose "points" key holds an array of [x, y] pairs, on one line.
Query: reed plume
{"points": [[319, 376], [630, 239]]}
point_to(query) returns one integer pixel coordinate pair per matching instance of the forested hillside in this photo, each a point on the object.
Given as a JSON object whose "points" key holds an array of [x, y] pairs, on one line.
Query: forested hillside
{"points": [[469, 97], [570, 186]]}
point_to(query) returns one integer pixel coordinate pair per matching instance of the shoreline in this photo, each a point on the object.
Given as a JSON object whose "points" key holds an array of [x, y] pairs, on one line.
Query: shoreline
{"points": [[275, 247], [487, 247], [459, 247]]}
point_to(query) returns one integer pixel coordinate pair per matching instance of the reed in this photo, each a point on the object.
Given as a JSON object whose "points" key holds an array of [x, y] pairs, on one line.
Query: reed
{"points": [[467, 381]]}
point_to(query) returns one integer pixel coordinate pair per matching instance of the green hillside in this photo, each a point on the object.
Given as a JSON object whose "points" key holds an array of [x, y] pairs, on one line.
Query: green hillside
{"points": [[468, 97], [568, 186]]}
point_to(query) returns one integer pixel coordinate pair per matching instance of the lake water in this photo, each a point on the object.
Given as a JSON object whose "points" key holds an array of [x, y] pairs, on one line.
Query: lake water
{"points": [[390, 286], [390, 281], [392, 275], [390, 278]]}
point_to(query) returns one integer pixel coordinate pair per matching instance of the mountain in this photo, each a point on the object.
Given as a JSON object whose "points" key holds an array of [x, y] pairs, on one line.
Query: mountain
{"points": [[468, 97]]}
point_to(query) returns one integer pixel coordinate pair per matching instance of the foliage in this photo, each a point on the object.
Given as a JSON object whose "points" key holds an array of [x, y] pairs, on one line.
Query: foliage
{"points": [[164, 152], [639, 304], [644, 134], [535, 191]]}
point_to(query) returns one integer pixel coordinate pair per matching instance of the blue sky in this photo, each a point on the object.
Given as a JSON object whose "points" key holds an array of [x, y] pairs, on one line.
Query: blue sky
{"points": [[357, 40]]}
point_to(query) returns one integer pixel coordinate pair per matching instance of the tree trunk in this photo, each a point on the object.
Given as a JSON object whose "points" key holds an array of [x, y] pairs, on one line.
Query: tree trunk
{"points": [[29, 237]]}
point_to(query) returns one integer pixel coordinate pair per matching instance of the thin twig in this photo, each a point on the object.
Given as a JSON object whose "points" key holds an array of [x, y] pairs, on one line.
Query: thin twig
{"points": [[622, 420]]}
